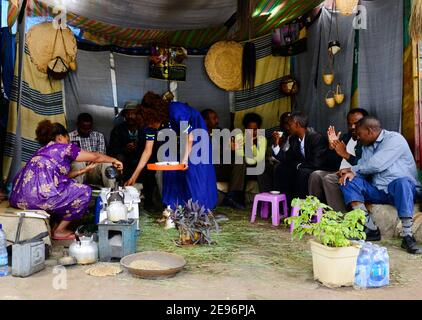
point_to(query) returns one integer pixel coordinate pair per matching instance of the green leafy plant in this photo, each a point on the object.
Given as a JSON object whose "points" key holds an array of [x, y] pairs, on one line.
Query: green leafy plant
{"points": [[335, 229], [194, 223]]}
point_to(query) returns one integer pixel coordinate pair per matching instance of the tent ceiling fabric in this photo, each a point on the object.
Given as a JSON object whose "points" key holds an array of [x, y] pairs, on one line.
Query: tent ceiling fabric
{"points": [[99, 22], [154, 14]]}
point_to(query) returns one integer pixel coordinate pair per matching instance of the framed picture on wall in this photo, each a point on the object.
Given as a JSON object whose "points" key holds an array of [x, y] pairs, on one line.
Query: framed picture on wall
{"points": [[166, 63]]}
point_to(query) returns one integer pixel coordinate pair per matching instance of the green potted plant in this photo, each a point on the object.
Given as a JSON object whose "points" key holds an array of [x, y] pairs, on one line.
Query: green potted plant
{"points": [[194, 223], [334, 255]]}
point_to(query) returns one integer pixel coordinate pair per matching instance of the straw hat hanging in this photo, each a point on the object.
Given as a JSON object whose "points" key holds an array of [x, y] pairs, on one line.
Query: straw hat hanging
{"points": [[223, 64], [42, 46], [346, 7]]}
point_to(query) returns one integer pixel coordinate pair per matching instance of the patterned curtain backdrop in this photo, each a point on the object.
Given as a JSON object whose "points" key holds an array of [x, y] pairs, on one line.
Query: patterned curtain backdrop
{"points": [[381, 62], [266, 98], [268, 14], [7, 58], [12, 12], [40, 100], [410, 86], [311, 65]]}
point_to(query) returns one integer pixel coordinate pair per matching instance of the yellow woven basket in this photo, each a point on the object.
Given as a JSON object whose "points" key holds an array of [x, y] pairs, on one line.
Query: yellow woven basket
{"points": [[223, 64]]}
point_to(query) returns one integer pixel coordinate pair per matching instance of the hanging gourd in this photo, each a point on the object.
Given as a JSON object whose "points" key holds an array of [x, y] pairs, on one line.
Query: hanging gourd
{"points": [[328, 75], [289, 86], [334, 45], [73, 66], [339, 95], [329, 99]]}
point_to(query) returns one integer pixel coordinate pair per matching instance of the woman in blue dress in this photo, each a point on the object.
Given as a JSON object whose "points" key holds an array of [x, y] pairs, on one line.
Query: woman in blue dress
{"points": [[198, 182]]}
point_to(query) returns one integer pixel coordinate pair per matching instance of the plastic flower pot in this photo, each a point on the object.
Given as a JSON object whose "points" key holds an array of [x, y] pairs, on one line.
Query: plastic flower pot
{"points": [[334, 267]]}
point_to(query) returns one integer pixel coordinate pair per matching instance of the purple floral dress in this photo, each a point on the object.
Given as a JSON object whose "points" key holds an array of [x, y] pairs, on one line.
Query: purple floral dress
{"points": [[43, 184]]}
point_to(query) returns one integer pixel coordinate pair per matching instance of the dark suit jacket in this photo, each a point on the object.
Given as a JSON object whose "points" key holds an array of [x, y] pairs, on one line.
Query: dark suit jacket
{"points": [[316, 148], [119, 139], [334, 160], [281, 156]]}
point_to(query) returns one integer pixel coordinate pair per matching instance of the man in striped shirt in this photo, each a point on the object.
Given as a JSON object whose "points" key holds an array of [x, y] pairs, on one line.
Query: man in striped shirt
{"points": [[89, 140]]}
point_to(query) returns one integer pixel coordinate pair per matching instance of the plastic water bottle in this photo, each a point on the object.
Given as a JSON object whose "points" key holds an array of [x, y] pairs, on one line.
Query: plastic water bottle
{"points": [[386, 259], [363, 267], [98, 208], [379, 275], [4, 268]]}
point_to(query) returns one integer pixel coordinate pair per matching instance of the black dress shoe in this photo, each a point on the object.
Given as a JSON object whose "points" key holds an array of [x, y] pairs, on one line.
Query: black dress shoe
{"points": [[372, 235], [409, 243], [229, 202]]}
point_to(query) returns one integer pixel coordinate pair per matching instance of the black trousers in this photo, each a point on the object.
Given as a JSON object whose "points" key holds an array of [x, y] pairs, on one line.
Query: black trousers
{"points": [[292, 182]]}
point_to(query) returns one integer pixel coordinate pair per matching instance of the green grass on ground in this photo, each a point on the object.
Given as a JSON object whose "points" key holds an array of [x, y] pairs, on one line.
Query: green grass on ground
{"points": [[252, 247], [239, 242]]}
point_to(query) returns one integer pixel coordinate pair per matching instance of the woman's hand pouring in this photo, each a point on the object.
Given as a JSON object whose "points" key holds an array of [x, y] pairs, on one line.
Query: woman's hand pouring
{"points": [[116, 163]]}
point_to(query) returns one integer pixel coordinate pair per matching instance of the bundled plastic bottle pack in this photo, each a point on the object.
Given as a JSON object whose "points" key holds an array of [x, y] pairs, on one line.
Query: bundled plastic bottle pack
{"points": [[4, 269], [373, 266]]}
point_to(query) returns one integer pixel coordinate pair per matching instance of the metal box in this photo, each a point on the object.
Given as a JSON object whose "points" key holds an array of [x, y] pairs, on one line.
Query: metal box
{"points": [[127, 245], [28, 258]]}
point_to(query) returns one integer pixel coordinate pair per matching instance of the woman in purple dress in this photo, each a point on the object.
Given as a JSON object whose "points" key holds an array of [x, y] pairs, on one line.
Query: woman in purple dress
{"points": [[46, 182]]}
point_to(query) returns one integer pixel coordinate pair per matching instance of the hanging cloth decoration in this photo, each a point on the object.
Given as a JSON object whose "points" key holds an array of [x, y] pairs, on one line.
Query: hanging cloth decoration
{"points": [[167, 63], [290, 40], [249, 66]]}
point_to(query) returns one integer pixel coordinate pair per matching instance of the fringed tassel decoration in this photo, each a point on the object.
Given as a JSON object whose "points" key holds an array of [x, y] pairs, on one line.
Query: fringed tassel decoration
{"points": [[249, 66]]}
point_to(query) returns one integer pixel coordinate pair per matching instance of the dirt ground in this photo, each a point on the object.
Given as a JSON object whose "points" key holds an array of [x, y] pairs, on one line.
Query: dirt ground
{"points": [[276, 269]]}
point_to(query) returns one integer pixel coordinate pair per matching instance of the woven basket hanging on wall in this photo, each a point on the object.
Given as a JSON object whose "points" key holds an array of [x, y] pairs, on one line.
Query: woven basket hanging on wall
{"points": [[223, 64]]}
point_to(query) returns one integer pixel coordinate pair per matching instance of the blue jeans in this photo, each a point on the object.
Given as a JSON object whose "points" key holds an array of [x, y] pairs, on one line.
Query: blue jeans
{"points": [[401, 194]]}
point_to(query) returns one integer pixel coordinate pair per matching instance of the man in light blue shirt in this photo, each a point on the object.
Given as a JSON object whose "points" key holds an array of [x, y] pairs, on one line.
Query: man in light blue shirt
{"points": [[386, 174]]}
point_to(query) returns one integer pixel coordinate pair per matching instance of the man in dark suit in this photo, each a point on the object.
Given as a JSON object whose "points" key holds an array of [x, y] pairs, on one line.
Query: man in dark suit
{"points": [[307, 153], [280, 139], [127, 140]]}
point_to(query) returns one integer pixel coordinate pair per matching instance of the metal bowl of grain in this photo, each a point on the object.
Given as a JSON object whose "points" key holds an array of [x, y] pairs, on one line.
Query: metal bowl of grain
{"points": [[153, 264]]}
